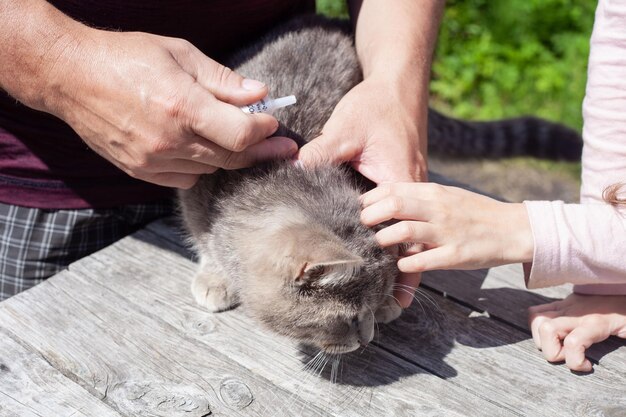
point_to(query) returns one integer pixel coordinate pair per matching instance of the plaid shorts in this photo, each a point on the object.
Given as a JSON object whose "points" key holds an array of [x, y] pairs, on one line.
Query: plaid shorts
{"points": [[37, 243]]}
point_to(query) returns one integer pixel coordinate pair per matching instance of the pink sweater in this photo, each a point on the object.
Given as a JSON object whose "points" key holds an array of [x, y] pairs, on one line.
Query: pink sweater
{"points": [[586, 243]]}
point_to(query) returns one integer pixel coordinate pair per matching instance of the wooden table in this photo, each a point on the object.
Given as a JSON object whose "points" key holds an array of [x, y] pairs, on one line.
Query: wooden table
{"points": [[118, 333]]}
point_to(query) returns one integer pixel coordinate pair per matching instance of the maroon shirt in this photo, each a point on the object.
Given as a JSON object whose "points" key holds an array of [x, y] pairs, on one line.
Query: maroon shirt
{"points": [[44, 164]]}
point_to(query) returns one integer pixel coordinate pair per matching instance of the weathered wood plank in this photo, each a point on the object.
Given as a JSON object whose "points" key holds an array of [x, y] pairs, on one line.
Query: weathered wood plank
{"points": [[501, 363], [372, 382], [135, 364], [29, 386], [474, 342], [499, 291]]}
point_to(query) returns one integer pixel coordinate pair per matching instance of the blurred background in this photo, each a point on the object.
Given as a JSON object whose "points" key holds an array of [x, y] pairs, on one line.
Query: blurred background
{"points": [[503, 58]]}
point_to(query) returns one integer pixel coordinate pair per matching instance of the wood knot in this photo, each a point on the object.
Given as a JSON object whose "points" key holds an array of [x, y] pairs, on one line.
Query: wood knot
{"points": [[159, 399], [199, 323], [203, 327], [235, 394]]}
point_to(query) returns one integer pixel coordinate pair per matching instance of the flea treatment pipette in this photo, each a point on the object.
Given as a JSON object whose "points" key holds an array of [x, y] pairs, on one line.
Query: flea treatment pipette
{"points": [[269, 105]]}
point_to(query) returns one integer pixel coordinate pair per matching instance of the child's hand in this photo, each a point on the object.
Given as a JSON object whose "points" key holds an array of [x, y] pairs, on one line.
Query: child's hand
{"points": [[563, 330], [458, 228]]}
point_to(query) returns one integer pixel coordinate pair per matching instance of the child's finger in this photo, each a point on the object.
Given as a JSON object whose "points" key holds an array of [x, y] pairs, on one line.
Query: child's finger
{"points": [[407, 189], [437, 258], [406, 231], [551, 333], [577, 342], [535, 321], [394, 207], [388, 189]]}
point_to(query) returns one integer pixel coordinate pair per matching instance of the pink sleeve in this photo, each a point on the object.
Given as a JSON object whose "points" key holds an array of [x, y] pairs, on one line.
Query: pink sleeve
{"points": [[586, 243], [578, 244]]}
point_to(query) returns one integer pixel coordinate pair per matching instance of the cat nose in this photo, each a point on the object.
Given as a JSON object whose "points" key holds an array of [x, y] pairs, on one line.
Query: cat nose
{"points": [[365, 330], [361, 339]]}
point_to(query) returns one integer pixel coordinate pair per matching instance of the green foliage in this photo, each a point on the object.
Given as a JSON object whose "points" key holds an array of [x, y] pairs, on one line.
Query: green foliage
{"points": [[499, 58], [332, 8]]}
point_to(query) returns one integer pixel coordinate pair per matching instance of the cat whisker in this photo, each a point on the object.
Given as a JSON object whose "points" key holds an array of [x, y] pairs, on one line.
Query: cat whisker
{"points": [[414, 298], [333, 371], [312, 368], [435, 312], [428, 296], [417, 291], [310, 363], [376, 333]]}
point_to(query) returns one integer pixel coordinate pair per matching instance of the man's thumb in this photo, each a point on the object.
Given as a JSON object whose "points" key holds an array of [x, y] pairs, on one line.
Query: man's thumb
{"points": [[322, 150], [230, 87], [221, 81]]}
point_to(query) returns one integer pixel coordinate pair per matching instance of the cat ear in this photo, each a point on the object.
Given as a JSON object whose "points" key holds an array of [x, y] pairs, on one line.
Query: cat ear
{"points": [[328, 265], [307, 252]]}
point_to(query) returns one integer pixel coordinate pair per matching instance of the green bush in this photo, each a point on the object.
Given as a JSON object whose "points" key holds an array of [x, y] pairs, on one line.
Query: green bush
{"points": [[332, 8], [500, 58]]}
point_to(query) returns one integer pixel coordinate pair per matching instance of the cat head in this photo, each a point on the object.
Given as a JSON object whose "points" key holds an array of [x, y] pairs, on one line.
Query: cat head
{"points": [[316, 285]]}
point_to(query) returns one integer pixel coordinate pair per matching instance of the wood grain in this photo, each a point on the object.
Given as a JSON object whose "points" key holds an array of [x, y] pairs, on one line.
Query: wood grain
{"points": [[29, 386], [500, 363], [132, 362]]}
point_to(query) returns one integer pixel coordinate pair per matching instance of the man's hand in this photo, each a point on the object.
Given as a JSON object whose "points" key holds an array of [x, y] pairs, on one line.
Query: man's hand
{"points": [[159, 109], [372, 130], [156, 107]]}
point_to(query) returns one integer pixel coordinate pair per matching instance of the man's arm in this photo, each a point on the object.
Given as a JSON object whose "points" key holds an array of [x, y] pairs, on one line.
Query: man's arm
{"points": [[395, 42], [380, 126], [34, 37]]}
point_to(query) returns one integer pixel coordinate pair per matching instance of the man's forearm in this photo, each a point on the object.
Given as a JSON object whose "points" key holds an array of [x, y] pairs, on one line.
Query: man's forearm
{"points": [[34, 36], [398, 37], [395, 42]]}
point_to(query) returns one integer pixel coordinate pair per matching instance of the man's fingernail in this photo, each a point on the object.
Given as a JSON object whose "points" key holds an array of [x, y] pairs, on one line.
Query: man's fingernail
{"points": [[291, 149], [249, 84]]}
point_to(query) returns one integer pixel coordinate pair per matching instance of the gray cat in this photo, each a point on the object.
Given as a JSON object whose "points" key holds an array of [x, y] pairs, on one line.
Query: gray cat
{"points": [[286, 242]]}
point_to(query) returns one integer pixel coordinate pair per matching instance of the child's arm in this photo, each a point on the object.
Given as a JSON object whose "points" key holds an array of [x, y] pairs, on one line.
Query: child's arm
{"points": [[576, 243], [458, 228]]}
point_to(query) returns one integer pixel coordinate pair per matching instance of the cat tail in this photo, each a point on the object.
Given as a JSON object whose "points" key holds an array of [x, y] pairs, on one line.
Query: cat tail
{"points": [[521, 136]]}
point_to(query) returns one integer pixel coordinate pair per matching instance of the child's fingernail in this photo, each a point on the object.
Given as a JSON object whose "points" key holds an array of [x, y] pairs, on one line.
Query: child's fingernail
{"points": [[249, 84]]}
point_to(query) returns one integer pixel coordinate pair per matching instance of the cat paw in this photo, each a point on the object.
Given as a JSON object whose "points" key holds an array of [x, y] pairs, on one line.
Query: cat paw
{"points": [[388, 311], [214, 298]]}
